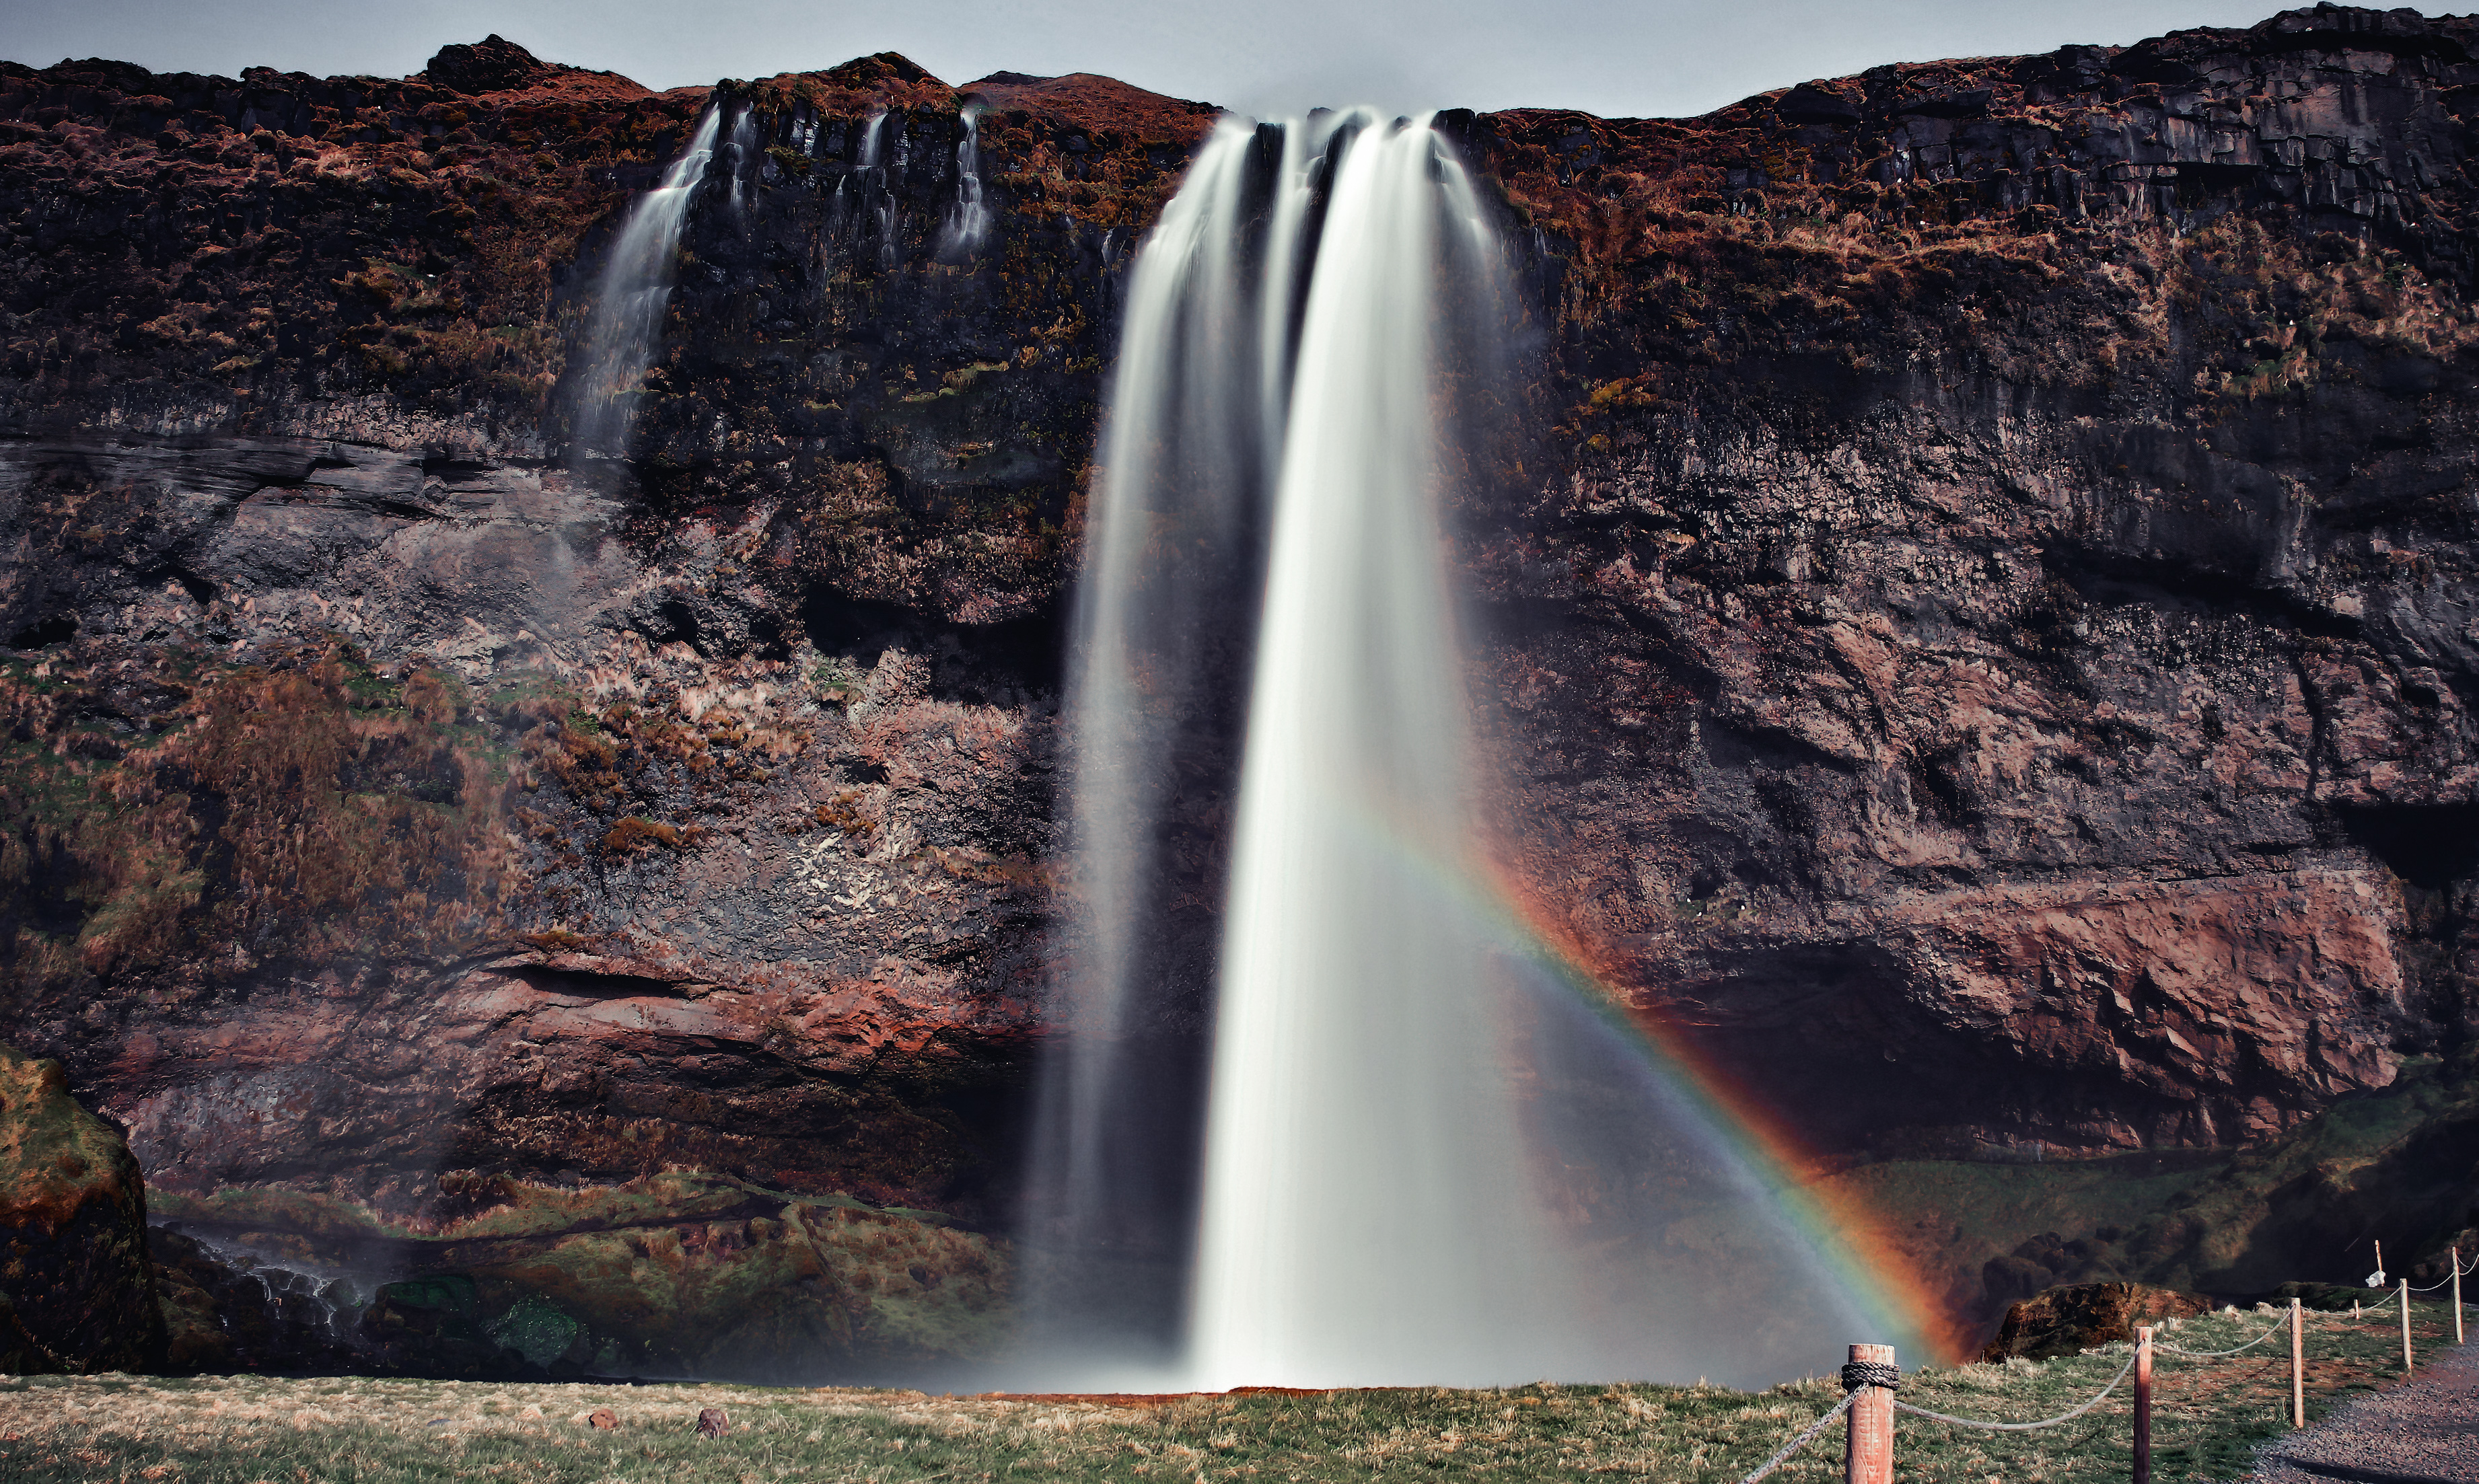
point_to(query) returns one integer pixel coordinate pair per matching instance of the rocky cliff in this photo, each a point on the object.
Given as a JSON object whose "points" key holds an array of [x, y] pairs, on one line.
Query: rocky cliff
{"points": [[1981, 640]]}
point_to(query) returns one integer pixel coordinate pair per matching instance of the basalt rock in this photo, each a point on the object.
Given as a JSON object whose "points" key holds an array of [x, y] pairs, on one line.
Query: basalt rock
{"points": [[1979, 644]]}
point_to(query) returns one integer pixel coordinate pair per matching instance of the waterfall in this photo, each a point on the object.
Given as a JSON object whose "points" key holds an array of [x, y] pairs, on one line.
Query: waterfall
{"points": [[1158, 675], [970, 221], [1326, 1109], [625, 325], [744, 148], [1357, 1083]]}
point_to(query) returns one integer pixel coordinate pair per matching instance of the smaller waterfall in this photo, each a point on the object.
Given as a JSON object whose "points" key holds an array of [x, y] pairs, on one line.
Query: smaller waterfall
{"points": [[626, 321], [872, 191], [744, 149], [970, 221]]}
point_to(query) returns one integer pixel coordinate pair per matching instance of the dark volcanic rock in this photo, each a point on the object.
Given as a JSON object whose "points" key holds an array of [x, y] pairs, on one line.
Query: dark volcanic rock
{"points": [[228, 1316], [493, 64]]}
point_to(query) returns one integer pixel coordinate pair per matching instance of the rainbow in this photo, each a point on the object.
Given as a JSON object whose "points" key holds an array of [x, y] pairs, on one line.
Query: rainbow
{"points": [[1847, 1240]]}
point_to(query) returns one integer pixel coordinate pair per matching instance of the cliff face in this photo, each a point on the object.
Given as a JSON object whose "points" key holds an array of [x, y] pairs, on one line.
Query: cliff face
{"points": [[1981, 640], [2010, 582]]}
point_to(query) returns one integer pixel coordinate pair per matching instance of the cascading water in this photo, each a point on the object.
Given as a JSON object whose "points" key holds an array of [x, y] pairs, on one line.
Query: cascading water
{"points": [[1160, 670], [970, 221], [1394, 1145], [743, 150], [1356, 1086], [626, 322]]}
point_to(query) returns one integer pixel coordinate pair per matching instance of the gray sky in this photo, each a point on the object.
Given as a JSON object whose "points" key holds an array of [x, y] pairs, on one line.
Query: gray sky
{"points": [[1646, 57]]}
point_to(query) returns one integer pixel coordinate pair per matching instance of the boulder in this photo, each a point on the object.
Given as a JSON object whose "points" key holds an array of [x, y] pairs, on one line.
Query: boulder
{"points": [[493, 64], [2067, 1320], [77, 1292]]}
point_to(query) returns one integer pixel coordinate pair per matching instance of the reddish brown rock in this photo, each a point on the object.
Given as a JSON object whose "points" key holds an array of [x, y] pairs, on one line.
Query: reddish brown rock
{"points": [[2068, 1321]]}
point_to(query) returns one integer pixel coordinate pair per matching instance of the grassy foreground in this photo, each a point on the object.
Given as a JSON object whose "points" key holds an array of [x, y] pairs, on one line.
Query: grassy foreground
{"points": [[255, 1430]]}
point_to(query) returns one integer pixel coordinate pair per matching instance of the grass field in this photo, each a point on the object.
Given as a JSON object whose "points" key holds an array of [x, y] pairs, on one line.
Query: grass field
{"points": [[255, 1430]]}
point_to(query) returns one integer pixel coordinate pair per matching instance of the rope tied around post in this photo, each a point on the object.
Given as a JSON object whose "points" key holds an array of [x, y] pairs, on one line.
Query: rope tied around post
{"points": [[1872, 1372], [2459, 1272]]}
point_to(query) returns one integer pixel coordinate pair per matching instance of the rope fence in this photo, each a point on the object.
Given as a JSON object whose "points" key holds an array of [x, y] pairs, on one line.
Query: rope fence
{"points": [[1871, 1380], [2096, 1399], [2277, 1325], [2458, 1274]]}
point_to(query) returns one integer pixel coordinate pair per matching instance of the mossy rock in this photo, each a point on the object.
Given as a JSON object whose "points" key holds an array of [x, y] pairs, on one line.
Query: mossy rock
{"points": [[80, 1288], [2069, 1320]]}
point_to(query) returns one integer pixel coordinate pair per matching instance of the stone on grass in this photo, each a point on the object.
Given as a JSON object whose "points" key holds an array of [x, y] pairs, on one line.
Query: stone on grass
{"points": [[2068, 1321]]}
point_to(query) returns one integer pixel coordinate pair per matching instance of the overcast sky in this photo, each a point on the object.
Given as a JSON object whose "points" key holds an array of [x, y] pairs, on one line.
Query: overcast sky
{"points": [[1646, 58]]}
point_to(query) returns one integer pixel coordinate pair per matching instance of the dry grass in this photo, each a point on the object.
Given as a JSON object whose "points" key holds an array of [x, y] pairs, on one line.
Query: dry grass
{"points": [[253, 1430]]}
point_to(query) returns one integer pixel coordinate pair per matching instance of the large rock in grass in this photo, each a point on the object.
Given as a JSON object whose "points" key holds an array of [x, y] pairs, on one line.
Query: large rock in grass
{"points": [[2068, 1321], [77, 1291]]}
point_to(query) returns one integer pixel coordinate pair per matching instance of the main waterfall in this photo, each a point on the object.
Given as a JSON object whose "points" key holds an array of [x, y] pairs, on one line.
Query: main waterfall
{"points": [[1357, 1086], [1327, 1111]]}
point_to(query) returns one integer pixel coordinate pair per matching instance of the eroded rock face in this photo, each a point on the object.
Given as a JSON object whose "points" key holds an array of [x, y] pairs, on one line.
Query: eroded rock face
{"points": [[1979, 643]]}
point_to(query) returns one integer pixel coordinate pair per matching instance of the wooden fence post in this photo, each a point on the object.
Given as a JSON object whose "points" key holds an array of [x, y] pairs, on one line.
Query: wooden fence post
{"points": [[2143, 1404], [2404, 1291], [1868, 1446], [2297, 1365], [2455, 1254]]}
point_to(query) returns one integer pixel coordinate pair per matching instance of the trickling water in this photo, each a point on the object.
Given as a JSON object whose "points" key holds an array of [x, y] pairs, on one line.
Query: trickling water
{"points": [[970, 221], [1418, 1157], [626, 321], [744, 149]]}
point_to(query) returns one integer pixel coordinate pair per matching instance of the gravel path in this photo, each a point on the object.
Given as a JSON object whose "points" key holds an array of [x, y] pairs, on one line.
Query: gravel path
{"points": [[2424, 1430]]}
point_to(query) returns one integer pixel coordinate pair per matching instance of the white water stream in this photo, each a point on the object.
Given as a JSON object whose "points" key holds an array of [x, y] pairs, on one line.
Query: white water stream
{"points": [[1368, 1218], [961, 234], [626, 321]]}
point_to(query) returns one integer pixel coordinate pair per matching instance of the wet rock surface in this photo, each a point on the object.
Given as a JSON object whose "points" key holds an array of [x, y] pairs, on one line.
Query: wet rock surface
{"points": [[1979, 645]]}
